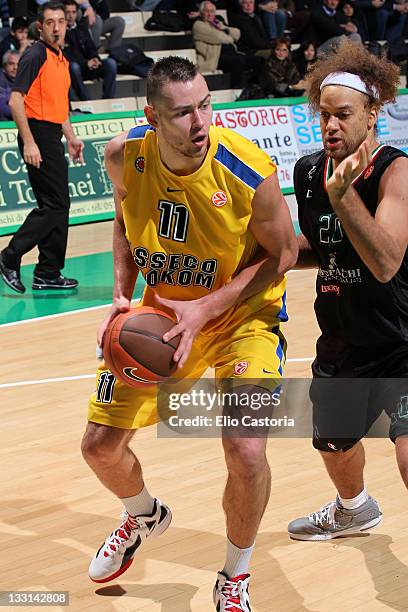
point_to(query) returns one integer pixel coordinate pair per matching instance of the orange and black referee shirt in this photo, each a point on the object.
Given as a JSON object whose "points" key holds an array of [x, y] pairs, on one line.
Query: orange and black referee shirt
{"points": [[43, 76]]}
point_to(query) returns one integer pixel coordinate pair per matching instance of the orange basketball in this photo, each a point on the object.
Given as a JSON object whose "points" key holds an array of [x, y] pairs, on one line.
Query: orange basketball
{"points": [[134, 350]]}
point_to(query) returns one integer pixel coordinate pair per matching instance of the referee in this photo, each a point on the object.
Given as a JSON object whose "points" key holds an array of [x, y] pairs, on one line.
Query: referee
{"points": [[39, 104]]}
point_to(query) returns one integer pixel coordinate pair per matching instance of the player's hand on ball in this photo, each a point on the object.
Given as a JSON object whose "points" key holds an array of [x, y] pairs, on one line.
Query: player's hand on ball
{"points": [[120, 305], [191, 316], [347, 171]]}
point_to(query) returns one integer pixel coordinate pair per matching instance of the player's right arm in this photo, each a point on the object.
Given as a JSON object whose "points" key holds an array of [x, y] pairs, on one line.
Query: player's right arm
{"points": [[125, 270]]}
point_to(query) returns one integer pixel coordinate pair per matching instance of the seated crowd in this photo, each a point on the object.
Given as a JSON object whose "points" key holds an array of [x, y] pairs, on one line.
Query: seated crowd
{"points": [[253, 44]]}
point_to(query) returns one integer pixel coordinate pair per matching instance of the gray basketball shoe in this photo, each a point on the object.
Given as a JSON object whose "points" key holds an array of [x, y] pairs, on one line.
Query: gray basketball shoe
{"points": [[334, 521]]}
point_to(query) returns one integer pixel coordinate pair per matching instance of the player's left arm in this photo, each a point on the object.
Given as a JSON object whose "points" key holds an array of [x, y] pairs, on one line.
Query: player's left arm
{"points": [[272, 227], [381, 241]]}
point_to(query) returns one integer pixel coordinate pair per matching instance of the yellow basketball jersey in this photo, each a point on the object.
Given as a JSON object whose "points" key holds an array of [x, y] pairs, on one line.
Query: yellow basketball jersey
{"points": [[189, 234]]}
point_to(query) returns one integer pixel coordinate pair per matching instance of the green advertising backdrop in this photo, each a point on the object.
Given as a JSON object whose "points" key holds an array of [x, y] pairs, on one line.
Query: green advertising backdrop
{"points": [[89, 185]]}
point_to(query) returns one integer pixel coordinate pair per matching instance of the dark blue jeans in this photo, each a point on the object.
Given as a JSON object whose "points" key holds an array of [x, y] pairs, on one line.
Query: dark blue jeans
{"points": [[274, 23], [389, 24], [107, 71]]}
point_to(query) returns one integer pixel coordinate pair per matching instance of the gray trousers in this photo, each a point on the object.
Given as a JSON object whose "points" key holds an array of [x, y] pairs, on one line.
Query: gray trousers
{"points": [[113, 27]]}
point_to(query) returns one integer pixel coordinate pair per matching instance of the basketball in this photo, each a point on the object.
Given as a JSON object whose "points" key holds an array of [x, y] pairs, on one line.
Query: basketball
{"points": [[134, 349]]}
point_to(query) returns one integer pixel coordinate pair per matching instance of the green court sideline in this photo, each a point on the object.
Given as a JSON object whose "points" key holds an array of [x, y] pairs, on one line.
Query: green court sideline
{"points": [[95, 275]]}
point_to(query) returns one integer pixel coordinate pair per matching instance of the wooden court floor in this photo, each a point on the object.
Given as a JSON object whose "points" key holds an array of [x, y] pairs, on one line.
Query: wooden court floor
{"points": [[55, 514]]}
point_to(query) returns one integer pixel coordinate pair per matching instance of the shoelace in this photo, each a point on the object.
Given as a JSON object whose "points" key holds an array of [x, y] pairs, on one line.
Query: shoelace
{"points": [[121, 535], [232, 592], [324, 515]]}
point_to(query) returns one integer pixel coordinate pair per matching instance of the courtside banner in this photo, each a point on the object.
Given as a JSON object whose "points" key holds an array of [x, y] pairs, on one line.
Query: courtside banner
{"points": [[284, 128], [89, 186]]}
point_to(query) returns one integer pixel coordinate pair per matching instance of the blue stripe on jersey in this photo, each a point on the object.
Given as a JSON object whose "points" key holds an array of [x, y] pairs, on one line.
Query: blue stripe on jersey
{"points": [[282, 314], [238, 167], [279, 353], [139, 131]]}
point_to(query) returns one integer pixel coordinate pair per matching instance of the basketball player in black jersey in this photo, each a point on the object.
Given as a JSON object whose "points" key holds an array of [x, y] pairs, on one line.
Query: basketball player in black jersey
{"points": [[353, 215]]}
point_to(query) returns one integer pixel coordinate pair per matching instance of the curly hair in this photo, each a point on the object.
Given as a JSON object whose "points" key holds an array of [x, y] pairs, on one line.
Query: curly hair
{"points": [[354, 58]]}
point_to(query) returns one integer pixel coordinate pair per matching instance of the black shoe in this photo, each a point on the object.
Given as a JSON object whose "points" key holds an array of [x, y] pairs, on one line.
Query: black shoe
{"points": [[61, 282], [11, 277]]}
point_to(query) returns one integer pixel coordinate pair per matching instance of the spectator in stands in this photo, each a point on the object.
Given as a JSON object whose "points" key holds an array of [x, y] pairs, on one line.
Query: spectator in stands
{"points": [[84, 61], [386, 18], [7, 76], [215, 43], [254, 38], [355, 15], [331, 26], [84, 6], [304, 57], [280, 77], [86, 9], [274, 17], [190, 9], [5, 19], [18, 39], [392, 28], [376, 17], [105, 24]]}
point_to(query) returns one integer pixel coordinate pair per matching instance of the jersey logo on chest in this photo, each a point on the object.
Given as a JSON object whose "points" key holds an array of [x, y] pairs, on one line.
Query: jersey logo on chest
{"points": [[219, 199]]}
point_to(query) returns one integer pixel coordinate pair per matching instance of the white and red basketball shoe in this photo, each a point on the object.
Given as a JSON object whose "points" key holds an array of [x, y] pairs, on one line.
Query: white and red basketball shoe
{"points": [[231, 594], [117, 552]]}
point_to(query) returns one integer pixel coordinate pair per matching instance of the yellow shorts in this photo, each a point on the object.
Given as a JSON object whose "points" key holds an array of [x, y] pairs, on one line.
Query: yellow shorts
{"points": [[250, 347]]}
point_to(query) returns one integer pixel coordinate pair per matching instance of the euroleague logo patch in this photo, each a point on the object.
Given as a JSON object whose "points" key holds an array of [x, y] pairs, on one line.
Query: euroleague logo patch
{"points": [[219, 198], [240, 367], [140, 164], [368, 172]]}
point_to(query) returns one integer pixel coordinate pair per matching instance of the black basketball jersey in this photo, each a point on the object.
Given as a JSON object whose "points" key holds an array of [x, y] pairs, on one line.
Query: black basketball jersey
{"points": [[352, 307]]}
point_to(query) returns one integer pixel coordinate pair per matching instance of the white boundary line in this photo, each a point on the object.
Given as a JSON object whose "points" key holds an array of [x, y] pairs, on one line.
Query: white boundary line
{"points": [[42, 381], [53, 316], [59, 314]]}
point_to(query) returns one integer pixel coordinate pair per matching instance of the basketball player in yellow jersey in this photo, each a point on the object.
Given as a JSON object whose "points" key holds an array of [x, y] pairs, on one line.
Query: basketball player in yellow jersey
{"points": [[193, 203]]}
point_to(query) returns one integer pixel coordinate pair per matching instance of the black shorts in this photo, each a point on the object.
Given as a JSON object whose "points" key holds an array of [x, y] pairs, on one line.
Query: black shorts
{"points": [[348, 398]]}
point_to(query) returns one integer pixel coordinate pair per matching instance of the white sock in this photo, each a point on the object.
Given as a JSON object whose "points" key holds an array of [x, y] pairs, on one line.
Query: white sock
{"points": [[139, 504], [237, 561], [354, 502]]}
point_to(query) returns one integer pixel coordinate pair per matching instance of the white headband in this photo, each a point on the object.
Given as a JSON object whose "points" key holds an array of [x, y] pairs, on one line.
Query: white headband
{"points": [[347, 79]]}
